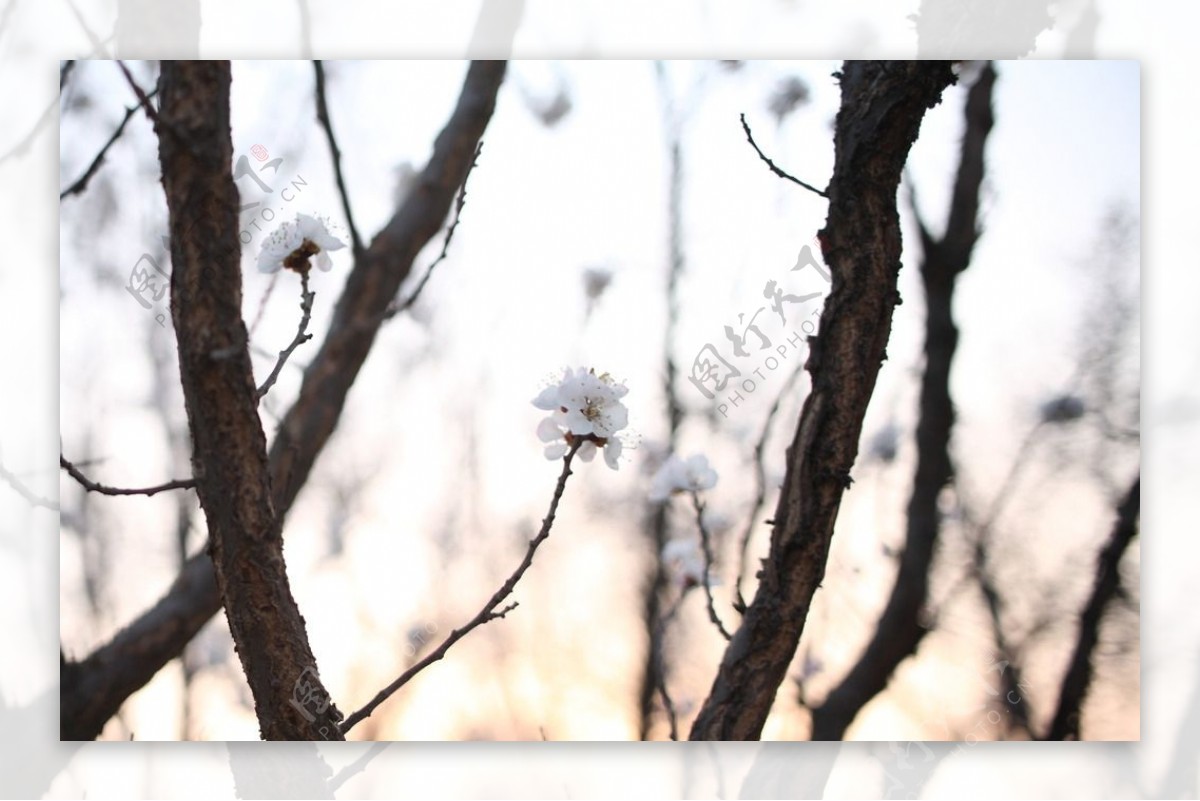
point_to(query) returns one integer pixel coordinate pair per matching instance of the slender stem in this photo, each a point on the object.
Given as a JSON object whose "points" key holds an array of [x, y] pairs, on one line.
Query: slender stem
{"points": [[81, 183], [489, 611], [92, 486], [302, 335], [706, 545], [356, 243], [775, 169]]}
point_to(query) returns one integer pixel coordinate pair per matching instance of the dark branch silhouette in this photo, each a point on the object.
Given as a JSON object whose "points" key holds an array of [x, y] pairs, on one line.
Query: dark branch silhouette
{"points": [[1078, 678], [775, 168]]}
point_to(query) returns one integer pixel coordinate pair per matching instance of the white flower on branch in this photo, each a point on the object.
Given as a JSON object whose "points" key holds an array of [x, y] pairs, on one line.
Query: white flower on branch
{"points": [[583, 406], [292, 244], [677, 475]]}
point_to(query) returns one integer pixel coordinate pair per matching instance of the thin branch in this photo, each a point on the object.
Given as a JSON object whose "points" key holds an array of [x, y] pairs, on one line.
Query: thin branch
{"points": [[357, 766], [485, 615], [92, 486], [760, 482], [30, 497], [302, 335], [356, 243], [775, 169], [143, 98], [81, 183], [395, 308], [706, 545]]}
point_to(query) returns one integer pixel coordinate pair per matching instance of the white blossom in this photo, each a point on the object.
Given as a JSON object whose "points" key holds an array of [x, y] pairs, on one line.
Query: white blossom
{"points": [[677, 475], [292, 244], [583, 406]]}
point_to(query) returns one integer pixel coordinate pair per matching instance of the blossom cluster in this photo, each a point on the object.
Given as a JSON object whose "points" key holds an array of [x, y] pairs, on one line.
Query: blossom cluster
{"points": [[678, 475], [583, 406]]}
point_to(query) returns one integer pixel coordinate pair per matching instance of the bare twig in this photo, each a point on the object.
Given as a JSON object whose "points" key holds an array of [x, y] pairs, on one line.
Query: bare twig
{"points": [[143, 98], [81, 183], [760, 482], [356, 243], [489, 611], [706, 545], [92, 486], [302, 335], [397, 308], [30, 497], [775, 169]]}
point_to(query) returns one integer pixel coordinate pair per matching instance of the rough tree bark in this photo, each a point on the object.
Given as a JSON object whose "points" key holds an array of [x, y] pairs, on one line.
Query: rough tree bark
{"points": [[900, 628], [882, 107], [94, 688], [1078, 678], [229, 448]]}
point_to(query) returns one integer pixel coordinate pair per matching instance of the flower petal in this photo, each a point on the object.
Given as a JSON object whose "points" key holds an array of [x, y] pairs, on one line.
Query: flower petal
{"points": [[612, 452], [556, 450], [587, 451], [548, 430], [547, 399]]}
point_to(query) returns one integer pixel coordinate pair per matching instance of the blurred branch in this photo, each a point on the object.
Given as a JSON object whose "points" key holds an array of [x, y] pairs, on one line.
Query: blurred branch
{"points": [[81, 183], [306, 304], [489, 611], [103, 680], [653, 674], [774, 168], [1078, 678], [760, 485], [900, 628], [356, 244], [1012, 686], [397, 308], [883, 104], [92, 486], [32, 498], [142, 96], [706, 546]]}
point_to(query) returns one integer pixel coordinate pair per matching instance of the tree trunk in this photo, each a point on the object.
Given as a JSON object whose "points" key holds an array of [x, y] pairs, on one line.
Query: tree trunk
{"points": [[229, 448], [882, 107]]}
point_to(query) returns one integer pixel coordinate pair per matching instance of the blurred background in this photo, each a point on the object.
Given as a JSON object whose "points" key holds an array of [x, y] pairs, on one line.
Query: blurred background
{"points": [[617, 218]]}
